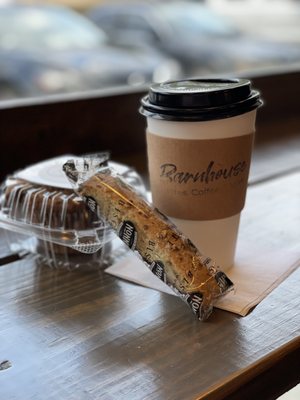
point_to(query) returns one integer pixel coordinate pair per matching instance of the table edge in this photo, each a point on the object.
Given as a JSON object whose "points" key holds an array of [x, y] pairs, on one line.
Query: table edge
{"points": [[233, 382]]}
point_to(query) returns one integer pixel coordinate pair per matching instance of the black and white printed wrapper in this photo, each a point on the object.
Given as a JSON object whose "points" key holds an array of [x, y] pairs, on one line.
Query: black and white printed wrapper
{"points": [[153, 238]]}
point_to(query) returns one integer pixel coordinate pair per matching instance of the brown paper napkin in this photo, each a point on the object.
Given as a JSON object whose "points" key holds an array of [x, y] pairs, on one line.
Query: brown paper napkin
{"points": [[255, 274]]}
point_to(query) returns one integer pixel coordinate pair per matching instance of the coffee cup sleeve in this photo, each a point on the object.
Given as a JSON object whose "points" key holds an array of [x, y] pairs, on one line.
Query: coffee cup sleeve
{"points": [[170, 255]]}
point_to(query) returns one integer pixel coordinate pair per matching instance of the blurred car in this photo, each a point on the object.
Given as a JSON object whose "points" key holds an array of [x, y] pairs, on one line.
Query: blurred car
{"points": [[191, 33], [23, 75], [49, 49], [273, 19]]}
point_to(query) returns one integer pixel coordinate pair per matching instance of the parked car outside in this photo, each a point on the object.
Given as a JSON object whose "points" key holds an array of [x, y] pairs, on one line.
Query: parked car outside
{"points": [[51, 49], [273, 19], [23, 75], [200, 39]]}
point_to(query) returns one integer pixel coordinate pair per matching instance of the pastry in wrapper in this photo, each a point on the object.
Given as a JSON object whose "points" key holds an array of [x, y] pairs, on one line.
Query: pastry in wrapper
{"points": [[165, 250]]}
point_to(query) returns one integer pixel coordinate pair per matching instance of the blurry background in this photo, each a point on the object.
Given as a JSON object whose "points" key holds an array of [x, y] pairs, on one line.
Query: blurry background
{"points": [[67, 46]]}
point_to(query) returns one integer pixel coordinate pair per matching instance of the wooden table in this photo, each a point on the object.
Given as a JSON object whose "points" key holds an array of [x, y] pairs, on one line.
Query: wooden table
{"points": [[87, 335]]}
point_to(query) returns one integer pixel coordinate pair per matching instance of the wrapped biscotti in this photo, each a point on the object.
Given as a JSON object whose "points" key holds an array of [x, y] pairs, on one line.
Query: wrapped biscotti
{"points": [[164, 249]]}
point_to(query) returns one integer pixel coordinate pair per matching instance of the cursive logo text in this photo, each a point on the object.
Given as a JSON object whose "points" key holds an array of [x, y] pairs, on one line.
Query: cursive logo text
{"points": [[210, 174]]}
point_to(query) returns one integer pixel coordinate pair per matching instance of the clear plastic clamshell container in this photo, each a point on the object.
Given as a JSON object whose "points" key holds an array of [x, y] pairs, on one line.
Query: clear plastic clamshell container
{"points": [[42, 215]]}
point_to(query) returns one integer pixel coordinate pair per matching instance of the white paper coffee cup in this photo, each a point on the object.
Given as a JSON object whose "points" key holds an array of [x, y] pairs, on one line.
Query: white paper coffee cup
{"points": [[199, 143]]}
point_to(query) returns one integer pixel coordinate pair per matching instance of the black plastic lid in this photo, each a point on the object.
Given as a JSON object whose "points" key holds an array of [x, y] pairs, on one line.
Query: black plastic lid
{"points": [[200, 99]]}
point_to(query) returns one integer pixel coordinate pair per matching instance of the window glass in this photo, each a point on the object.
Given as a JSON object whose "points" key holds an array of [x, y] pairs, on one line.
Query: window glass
{"points": [[69, 46], [46, 29], [128, 21], [188, 20]]}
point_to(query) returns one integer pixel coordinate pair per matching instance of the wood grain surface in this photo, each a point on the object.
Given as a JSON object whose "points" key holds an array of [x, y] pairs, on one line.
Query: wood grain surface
{"points": [[75, 335]]}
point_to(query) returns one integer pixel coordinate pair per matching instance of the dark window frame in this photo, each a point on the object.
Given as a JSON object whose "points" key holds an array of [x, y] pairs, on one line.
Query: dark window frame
{"points": [[41, 128]]}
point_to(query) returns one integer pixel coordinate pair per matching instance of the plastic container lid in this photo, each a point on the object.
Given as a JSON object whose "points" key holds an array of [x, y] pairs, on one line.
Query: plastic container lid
{"points": [[200, 99]]}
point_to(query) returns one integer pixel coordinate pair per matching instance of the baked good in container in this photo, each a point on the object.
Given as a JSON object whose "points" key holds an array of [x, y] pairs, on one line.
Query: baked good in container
{"points": [[43, 215]]}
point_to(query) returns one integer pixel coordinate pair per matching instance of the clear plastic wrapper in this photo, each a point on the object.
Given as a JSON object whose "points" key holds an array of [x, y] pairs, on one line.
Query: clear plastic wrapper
{"points": [[42, 215], [164, 249]]}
